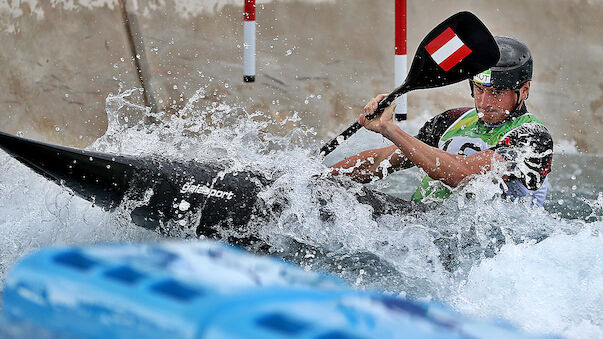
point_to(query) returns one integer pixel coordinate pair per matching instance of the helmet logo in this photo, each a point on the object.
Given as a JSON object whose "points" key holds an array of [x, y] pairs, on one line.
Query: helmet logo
{"points": [[484, 78]]}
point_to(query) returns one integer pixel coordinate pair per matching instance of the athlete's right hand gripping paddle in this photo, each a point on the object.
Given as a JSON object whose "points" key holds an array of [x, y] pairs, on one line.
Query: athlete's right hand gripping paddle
{"points": [[457, 49]]}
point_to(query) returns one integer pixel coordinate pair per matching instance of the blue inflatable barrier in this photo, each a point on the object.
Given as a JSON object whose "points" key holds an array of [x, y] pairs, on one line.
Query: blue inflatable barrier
{"points": [[210, 290]]}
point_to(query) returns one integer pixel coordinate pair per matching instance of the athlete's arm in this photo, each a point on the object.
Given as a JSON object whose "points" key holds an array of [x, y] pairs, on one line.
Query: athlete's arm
{"points": [[440, 165], [372, 164], [376, 163]]}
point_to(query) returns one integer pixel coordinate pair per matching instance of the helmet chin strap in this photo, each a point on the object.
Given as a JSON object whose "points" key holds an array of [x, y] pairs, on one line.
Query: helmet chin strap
{"points": [[520, 101]]}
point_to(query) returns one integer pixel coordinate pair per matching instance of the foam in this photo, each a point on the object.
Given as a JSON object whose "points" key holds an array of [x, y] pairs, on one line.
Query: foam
{"points": [[550, 287]]}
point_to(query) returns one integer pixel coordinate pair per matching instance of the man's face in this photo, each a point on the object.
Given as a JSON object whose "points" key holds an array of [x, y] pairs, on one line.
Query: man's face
{"points": [[494, 104]]}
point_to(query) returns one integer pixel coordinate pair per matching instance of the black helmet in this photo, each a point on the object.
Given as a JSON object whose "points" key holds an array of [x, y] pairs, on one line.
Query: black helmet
{"points": [[513, 69]]}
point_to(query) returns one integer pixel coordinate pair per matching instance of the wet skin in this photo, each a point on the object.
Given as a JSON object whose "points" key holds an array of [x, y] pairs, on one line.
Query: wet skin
{"points": [[493, 104]]}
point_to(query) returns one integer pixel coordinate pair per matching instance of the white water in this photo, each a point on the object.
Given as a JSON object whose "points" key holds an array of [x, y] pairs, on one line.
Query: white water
{"points": [[551, 286]]}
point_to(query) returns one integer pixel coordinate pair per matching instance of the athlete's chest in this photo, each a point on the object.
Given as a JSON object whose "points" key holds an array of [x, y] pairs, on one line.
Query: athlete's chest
{"points": [[468, 136], [463, 145]]}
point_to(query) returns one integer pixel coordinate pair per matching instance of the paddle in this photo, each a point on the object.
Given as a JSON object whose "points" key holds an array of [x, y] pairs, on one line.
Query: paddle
{"points": [[457, 49]]}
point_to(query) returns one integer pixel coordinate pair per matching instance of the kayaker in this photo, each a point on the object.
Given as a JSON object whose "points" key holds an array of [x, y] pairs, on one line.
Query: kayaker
{"points": [[460, 143]]}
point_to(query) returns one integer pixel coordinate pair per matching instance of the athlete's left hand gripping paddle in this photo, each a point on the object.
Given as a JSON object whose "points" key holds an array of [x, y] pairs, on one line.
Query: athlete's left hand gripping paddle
{"points": [[456, 50]]}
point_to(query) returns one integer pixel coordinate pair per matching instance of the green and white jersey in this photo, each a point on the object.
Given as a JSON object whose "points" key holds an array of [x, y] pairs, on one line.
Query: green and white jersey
{"points": [[522, 140]]}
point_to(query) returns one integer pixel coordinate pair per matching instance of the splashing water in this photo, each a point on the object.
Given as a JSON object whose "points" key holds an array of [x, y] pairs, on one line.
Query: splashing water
{"points": [[539, 267]]}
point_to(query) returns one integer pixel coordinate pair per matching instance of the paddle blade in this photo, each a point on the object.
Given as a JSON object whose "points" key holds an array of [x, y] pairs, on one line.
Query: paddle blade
{"points": [[457, 49]]}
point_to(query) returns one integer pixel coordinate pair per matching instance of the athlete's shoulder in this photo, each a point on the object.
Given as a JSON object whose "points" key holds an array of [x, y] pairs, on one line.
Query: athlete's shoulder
{"points": [[538, 126], [529, 143], [435, 127], [455, 113], [528, 126]]}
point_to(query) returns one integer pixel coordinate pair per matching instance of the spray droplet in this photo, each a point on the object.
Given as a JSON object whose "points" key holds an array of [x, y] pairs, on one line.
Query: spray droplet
{"points": [[184, 205]]}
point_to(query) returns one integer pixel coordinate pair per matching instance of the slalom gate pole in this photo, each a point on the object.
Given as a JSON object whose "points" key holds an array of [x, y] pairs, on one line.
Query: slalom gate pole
{"points": [[400, 57], [249, 41]]}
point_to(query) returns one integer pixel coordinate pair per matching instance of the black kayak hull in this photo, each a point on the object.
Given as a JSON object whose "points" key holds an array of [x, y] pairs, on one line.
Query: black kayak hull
{"points": [[172, 197]]}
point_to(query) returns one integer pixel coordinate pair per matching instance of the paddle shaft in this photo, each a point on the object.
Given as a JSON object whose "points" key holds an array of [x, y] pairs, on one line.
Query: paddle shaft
{"points": [[383, 104]]}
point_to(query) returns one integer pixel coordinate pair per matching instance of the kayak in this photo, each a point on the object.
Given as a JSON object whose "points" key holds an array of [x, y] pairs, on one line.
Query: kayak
{"points": [[207, 289], [173, 197]]}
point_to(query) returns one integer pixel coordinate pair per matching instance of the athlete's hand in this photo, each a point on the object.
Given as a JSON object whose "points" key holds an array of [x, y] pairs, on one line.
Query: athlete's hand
{"points": [[371, 106], [380, 123]]}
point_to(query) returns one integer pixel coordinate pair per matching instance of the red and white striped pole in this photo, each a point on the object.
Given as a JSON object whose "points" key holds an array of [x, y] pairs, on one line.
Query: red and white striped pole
{"points": [[249, 41], [400, 57]]}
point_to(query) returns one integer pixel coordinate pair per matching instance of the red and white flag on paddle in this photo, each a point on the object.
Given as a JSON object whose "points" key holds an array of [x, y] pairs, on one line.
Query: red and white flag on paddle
{"points": [[447, 49]]}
